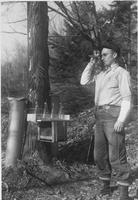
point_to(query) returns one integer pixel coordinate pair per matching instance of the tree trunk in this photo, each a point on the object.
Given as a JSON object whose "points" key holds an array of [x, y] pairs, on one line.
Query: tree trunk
{"points": [[129, 39], [38, 53], [39, 85]]}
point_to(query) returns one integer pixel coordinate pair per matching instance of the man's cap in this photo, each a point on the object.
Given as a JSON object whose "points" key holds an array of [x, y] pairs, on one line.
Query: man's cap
{"points": [[111, 45]]}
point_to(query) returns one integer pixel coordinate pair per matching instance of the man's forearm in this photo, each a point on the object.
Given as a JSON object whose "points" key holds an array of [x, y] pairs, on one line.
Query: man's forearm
{"points": [[125, 110], [86, 76], [124, 113]]}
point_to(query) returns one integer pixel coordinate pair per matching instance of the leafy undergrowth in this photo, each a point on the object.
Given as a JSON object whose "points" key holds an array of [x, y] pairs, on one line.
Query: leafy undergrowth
{"points": [[71, 176]]}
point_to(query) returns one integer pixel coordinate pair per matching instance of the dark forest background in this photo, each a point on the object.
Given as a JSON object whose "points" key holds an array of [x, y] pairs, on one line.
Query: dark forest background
{"points": [[69, 52]]}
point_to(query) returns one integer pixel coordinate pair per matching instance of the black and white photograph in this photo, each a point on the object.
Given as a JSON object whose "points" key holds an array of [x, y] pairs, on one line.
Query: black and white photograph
{"points": [[69, 100]]}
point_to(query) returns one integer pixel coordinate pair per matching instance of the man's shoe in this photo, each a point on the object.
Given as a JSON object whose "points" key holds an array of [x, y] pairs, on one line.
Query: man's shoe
{"points": [[106, 188], [124, 193]]}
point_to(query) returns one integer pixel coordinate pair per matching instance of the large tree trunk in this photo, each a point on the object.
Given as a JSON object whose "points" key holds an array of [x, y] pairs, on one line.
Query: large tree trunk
{"points": [[39, 85], [129, 38], [38, 53]]}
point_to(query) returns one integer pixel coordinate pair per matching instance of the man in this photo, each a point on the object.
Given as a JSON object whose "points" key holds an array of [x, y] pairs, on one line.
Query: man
{"points": [[113, 104]]}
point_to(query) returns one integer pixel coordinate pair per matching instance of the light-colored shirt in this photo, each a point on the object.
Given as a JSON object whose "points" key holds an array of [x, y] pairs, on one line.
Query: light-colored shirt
{"points": [[112, 86]]}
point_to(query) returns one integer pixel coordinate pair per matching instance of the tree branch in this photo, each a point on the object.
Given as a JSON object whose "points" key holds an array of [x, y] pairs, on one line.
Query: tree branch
{"points": [[63, 8], [12, 28], [53, 9], [67, 16], [14, 32], [78, 16], [70, 20], [64, 36], [36, 177], [22, 20]]}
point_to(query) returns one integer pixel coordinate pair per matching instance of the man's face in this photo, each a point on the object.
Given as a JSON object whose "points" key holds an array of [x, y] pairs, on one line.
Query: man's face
{"points": [[108, 56]]}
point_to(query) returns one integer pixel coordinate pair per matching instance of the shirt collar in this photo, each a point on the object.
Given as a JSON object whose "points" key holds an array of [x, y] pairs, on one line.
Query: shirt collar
{"points": [[112, 67]]}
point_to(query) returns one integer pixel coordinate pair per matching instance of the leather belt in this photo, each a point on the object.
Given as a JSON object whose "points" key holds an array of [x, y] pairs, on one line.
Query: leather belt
{"points": [[106, 107]]}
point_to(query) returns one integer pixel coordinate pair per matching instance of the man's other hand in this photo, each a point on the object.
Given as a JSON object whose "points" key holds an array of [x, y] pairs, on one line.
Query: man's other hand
{"points": [[118, 127]]}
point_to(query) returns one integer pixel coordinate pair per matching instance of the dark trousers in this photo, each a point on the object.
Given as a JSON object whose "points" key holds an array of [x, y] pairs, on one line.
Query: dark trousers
{"points": [[109, 149]]}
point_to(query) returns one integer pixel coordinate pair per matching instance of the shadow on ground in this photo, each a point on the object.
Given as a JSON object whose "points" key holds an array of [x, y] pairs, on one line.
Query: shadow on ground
{"points": [[81, 151]]}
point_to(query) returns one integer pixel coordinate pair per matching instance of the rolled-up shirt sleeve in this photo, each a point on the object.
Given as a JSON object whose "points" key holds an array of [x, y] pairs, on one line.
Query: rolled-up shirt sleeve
{"points": [[125, 90], [86, 76], [125, 85]]}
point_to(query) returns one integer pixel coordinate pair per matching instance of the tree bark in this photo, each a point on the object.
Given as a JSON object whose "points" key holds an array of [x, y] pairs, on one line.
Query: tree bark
{"points": [[39, 84], [38, 53], [129, 38]]}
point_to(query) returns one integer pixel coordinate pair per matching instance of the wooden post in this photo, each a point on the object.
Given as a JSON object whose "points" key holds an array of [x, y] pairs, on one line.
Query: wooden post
{"points": [[17, 128]]}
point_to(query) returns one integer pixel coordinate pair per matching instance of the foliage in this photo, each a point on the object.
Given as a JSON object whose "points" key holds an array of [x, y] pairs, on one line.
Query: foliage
{"points": [[69, 55], [14, 74], [69, 52], [123, 30]]}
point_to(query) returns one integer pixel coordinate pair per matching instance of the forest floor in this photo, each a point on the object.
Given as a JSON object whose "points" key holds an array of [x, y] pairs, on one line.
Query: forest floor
{"points": [[70, 176]]}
